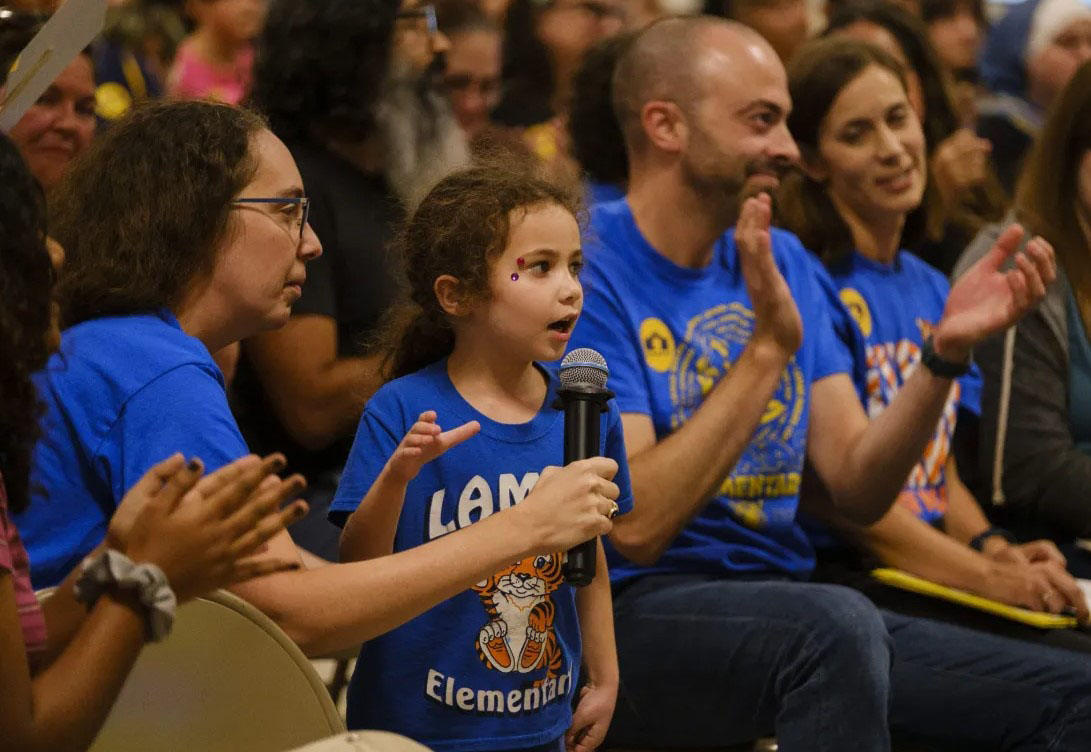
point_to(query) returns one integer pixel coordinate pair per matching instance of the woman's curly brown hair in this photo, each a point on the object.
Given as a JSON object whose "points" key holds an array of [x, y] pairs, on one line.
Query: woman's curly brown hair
{"points": [[142, 213], [26, 282], [460, 227]]}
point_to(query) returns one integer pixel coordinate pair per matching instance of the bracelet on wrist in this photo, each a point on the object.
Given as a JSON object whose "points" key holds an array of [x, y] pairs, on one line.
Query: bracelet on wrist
{"points": [[945, 369], [977, 543], [112, 570]]}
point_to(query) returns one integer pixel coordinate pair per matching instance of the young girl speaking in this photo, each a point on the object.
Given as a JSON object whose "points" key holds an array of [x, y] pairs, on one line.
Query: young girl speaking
{"points": [[492, 258]]}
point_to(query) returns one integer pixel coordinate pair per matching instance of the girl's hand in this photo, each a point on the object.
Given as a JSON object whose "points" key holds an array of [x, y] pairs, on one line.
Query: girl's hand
{"points": [[591, 719], [205, 533], [424, 442]]}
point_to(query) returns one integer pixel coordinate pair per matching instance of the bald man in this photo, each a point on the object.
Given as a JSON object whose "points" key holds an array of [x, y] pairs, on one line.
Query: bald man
{"points": [[728, 375]]}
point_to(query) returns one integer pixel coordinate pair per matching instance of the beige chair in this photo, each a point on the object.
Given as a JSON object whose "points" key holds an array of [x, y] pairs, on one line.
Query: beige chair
{"points": [[364, 741], [226, 679]]}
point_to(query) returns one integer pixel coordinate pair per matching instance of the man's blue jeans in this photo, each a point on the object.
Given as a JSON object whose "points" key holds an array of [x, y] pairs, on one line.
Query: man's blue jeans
{"points": [[708, 661]]}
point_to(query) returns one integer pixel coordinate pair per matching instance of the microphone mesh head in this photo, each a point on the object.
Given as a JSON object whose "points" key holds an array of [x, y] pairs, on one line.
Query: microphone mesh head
{"points": [[584, 366]]}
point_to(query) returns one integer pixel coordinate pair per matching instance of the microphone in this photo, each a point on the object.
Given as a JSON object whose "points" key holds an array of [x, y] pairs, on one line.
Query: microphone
{"points": [[583, 396]]}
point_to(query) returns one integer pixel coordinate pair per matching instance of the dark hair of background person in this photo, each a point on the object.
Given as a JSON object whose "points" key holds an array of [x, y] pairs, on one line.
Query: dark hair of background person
{"points": [[597, 140], [16, 30], [457, 16], [935, 10], [460, 227], [323, 63], [941, 119], [142, 214], [1046, 198], [985, 203], [526, 70], [26, 283], [816, 75]]}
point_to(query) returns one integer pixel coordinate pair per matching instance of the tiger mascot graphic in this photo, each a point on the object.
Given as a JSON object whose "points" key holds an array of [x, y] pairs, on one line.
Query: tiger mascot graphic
{"points": [[519, 635]]}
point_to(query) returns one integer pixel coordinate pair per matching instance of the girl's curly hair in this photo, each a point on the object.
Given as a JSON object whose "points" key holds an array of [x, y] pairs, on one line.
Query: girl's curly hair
{"points": [[26, 283], [460, 227]]}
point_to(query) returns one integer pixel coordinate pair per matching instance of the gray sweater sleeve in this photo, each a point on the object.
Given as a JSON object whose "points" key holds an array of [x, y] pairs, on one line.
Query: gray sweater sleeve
{"points": [[1046, 479]]}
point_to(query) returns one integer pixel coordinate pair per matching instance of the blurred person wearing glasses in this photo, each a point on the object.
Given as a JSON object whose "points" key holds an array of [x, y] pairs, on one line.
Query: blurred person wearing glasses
{"points": [[472, 72], [353, 89]]}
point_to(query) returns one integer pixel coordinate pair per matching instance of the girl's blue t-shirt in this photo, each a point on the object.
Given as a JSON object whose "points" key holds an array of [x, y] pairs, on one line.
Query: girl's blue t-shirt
{"points": [[495, 666]]}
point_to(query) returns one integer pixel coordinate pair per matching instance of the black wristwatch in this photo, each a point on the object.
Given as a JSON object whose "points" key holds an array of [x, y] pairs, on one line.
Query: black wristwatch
{"points": [[945, 369], [978, 541]]}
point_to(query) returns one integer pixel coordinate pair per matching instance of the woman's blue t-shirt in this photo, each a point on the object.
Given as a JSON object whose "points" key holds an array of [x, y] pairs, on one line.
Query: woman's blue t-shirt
{"points": [[886, 313], [122, 394]]}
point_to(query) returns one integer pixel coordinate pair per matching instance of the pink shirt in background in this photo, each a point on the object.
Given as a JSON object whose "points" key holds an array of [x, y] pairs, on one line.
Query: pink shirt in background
{"points": [[192, 77], [13, 559]]}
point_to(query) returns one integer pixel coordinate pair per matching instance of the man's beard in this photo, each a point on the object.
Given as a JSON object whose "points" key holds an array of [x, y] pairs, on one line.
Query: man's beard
{"points": [[421, 136], [724, 190]]}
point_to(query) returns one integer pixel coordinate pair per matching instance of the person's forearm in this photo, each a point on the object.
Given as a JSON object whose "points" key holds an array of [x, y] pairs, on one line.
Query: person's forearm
{"points": [[879, 460], [673, 479], [63, 615], [369, 531], [903, 541], [332, 407], [594, 606], [340, 606], [1045, 475], [964, 518], [73, 695]]}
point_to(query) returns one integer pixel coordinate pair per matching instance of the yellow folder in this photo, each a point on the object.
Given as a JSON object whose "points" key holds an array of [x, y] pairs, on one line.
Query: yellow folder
{"points": [[899, 579]]}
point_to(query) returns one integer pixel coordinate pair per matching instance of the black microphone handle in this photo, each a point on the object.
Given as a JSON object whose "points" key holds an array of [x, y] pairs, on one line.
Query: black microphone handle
{"points": [[581, 441]]}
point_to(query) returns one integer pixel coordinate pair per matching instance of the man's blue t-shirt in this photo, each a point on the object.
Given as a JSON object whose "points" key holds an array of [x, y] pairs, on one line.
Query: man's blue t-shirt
{"points": [[887, 312], [670, 333], [495, 666], [122, 394]]}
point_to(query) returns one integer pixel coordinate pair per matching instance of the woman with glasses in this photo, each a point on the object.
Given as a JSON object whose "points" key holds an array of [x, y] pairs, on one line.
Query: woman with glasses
{"points": [[63, 662], [472, 75], [186, 229]]}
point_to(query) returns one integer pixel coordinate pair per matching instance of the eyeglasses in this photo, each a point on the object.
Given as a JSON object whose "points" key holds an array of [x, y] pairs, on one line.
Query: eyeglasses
{"points": [[303, 202], [427, 12]]}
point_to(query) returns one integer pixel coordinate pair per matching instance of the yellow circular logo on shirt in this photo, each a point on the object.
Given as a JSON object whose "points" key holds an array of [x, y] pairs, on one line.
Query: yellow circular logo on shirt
{"points": [[658, 343], [857, 306]]}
